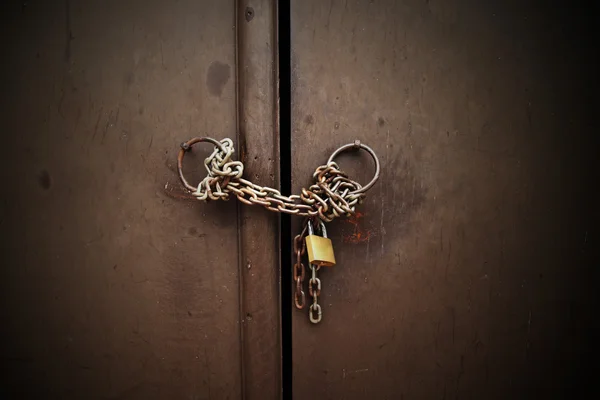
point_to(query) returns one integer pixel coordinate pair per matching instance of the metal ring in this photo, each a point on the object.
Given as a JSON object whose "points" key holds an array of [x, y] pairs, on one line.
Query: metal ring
{"points": [[186, 146], [356, 146]]}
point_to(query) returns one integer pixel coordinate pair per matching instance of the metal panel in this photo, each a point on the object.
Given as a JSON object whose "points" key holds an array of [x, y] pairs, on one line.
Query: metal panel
{"points": [[259, 150], [115, 283], [455, 279]]}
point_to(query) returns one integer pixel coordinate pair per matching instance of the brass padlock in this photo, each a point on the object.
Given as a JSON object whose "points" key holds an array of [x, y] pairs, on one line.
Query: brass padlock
{"points": [[319, 248]]}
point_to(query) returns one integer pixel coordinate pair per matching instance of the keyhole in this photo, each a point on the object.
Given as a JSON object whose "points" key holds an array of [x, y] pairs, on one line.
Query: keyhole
{"points": [[249, 13]]}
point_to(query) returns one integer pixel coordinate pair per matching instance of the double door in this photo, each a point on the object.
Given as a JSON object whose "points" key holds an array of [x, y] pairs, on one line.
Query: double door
{"points": [[462, 275]]}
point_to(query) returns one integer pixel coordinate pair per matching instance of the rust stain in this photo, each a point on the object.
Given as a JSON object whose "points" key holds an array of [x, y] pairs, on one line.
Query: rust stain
{"points": [[359, 234]]}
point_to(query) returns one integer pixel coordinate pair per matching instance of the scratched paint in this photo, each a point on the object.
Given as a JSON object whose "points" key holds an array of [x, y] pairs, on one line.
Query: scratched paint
{"points": [[359, 234]]}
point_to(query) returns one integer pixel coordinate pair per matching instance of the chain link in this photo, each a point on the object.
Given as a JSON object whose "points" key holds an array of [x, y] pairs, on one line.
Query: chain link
{"points": [[314, 290], [332, 195], [299, 271]]}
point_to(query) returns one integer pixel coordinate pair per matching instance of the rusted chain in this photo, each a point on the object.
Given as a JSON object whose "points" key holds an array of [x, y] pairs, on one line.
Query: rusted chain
{"points": [[299, 271], [332, 195]]}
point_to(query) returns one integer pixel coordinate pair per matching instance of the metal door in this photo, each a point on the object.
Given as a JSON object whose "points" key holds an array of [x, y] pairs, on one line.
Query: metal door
{"points": [[115, 282], [456, 278]]}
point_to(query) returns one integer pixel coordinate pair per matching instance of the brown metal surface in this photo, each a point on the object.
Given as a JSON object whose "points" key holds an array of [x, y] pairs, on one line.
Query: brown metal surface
{"points": [[456, 277], [259, 229], [116, 283]]}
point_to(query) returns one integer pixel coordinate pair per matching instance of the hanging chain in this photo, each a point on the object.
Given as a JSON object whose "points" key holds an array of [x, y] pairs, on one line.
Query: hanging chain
{"points": [[332, 195], [314, 290], [299, 271]]}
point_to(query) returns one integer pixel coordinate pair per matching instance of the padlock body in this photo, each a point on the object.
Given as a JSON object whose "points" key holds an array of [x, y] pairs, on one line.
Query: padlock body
{"points": [[320, 251]]}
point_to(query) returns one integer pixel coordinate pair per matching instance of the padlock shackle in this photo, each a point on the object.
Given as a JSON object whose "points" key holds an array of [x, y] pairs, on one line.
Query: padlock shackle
{"points": [[323, 229], [311, 230]]}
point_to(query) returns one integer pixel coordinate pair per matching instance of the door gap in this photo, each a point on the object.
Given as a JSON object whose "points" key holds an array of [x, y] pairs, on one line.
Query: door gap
{"points": [[285, 174]]}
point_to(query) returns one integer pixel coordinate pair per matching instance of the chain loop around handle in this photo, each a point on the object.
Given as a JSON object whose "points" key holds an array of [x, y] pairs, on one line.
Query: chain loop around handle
{"points": [[356, 146], [332, 195], [187, 146]]}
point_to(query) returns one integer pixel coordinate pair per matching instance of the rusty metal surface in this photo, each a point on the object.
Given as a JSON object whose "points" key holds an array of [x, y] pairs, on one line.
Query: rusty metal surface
{"points": [[259, 235], [116, 284], [457, 277]]}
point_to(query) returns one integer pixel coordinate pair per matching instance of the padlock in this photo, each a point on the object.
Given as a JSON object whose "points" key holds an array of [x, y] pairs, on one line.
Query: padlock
{"points": [[319, 248]]}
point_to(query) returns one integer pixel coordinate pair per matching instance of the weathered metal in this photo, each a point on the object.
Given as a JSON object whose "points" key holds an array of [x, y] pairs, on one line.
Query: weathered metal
{"points": [[117, 284], [455, 279], [258, 149]]}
